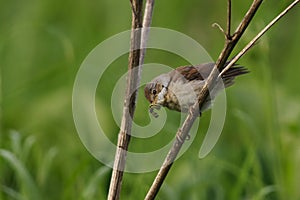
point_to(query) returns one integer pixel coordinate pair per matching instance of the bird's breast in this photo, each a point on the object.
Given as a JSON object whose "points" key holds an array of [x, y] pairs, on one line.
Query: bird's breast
{"points": [[180, 96]]}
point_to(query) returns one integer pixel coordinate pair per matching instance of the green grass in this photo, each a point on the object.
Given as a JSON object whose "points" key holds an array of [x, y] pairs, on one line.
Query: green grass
{"points": [[43, 43]]}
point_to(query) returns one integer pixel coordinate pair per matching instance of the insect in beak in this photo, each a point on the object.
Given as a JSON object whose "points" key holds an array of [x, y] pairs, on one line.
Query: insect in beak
{"points": [[153, 107]]}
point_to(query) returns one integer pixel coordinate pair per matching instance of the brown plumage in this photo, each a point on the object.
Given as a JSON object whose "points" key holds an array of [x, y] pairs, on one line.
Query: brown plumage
{"points": [[179, 88]]}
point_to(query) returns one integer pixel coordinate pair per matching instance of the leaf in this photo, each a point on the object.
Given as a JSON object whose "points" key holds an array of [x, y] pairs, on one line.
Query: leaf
{"points": [[93, 185], [26, 181]]}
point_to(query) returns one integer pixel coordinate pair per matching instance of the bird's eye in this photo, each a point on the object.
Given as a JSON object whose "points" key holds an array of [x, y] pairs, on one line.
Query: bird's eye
{"points": [[154, 92]]}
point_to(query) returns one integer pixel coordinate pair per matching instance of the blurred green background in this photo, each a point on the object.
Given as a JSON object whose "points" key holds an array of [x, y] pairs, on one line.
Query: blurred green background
{"points": [[43, 43]]}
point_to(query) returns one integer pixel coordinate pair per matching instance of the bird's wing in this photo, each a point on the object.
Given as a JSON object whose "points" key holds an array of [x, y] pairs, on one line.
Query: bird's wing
{"points": [[198, 72], [190, 73]]}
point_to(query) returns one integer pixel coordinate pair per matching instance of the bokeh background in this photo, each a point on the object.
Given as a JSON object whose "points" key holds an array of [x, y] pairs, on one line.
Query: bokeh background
{"points": [[43, 43]]}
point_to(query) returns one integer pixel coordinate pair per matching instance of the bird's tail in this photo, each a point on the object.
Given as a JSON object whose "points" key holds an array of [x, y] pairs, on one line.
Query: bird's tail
{"points": [[234, 71]]}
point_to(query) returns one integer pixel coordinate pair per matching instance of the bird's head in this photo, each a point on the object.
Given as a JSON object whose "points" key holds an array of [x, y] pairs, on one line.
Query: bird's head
{"points": [[152, 90]]}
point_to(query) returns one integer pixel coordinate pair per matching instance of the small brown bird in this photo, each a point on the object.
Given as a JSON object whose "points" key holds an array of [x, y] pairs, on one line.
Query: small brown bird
{"points": [[179, 88]]}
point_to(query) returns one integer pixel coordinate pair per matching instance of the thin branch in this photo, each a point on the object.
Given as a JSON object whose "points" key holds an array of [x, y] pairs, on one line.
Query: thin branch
{"points": [[129, 101], [133, 9], [257, 37], [228, 34], [230, 44], [146, 27], [216, 25], [247, 19], [182, 133]]}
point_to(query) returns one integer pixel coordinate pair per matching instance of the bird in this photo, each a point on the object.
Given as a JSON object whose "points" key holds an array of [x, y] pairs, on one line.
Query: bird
{"points": [[179, 89]]}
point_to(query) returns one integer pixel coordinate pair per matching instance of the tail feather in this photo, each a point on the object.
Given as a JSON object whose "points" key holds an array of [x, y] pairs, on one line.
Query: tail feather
{"points": [[231, 73]]}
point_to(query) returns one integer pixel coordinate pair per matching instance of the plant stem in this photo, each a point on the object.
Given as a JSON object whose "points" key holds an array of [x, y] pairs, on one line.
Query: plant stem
{"points": [[139, 36], [129, 102]]}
